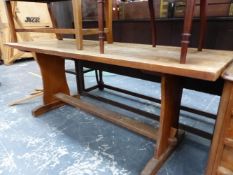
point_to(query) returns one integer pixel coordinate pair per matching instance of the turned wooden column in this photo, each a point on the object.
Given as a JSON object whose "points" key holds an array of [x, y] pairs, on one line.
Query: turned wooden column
{"points": [[203, 23], [190, 4], [152, 21]]}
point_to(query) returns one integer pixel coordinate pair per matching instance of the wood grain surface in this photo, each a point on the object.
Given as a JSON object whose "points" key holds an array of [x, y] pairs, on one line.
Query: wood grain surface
{"points": [[205, 65]]}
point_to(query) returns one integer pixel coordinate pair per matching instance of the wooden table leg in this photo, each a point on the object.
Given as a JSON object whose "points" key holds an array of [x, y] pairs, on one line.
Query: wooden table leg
{"points": [[101, 24], [171, 88], [190, 4], [101, 81], [152, 21], [203, 23], [79, 76], [54, 81]]}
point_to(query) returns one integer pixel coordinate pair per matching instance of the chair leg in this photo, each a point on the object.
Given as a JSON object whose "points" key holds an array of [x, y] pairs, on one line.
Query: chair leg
{"points": [[203, 23], [77, 12], [10, 17], [101, 24], [53, 20], [152, 19], [190, 4], [96, 76], [79, 77], [108, 17], [101, 81]]}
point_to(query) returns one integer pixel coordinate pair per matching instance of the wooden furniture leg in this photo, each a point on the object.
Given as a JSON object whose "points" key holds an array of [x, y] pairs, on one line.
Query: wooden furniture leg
{"points": [[101, 82], [77, 12], [53, 19], [101, 24], [171, 88], [152, 21], [190, 4], [108, 17], [79, 77], [10, 17], [54, 81], [170, 111], [221, 153], [203, 23]]}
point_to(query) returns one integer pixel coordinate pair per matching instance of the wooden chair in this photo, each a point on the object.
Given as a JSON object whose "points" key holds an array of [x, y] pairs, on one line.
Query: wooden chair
{"points": [[190, 5], [78, 29]]}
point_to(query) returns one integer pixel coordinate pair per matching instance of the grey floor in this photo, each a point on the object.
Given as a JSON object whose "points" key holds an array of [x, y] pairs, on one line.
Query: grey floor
{"points": [[68, 141]]}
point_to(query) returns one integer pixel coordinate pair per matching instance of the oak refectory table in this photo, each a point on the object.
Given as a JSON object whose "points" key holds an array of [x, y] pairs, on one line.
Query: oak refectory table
{"points": [[208, 65]]}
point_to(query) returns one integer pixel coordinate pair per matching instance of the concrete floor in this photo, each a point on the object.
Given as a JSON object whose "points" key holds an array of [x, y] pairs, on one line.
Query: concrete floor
{"points": [[68, 141]]}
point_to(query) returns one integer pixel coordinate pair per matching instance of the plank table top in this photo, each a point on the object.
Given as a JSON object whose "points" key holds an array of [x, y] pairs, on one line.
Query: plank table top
{"points": [[206, 65]]}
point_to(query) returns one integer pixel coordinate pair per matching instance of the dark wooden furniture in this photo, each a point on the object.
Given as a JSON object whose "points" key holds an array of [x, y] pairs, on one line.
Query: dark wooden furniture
{"points": [[193, 84], [206, 66], [190, 4], [152, 20], [78, 28], [218, 34], [189, 13]]}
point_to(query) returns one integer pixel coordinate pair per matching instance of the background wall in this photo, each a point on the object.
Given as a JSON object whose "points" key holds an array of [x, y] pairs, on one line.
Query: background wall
{"points": [[219, 32]]}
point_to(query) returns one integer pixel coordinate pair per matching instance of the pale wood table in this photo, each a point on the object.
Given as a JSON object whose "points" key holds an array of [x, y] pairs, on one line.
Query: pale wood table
{"points": [[207, 65]]}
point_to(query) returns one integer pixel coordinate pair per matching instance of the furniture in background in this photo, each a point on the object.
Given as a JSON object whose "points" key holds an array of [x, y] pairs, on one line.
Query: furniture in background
{"points": [[152, 21], [132, 10], [78, 29], [189, 13], [218, 35], [188, 16], [23, 17]]}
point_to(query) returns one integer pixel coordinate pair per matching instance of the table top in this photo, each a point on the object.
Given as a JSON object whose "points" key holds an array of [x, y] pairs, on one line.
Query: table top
{"points": [[205, 65]]}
